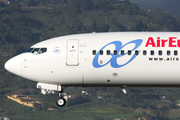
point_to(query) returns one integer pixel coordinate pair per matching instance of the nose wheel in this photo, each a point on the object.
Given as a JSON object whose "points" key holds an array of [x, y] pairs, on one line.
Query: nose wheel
{"points": [[61, 102]]}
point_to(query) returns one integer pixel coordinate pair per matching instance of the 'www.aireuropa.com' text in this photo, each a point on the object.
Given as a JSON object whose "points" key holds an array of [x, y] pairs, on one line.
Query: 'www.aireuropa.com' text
{"points": [[164, 59]]}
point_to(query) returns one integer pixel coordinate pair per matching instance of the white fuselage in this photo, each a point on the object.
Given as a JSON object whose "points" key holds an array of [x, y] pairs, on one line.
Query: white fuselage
{"points": [[69, 60]]}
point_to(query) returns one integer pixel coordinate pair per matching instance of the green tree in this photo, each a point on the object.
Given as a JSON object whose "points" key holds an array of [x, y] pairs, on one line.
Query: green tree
{"points": [[12, 8], [163, 19], [78, 100]]}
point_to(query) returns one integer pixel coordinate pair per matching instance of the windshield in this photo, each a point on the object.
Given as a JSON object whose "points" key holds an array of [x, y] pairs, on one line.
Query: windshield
{"points": [[30, 49], [37, 50]]}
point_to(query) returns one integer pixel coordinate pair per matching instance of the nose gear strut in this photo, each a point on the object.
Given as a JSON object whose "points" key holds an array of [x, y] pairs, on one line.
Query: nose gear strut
{"points": [[61, 101]]}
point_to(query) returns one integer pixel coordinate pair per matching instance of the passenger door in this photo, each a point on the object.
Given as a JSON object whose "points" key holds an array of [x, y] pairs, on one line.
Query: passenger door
{"points": [[72, 56]]}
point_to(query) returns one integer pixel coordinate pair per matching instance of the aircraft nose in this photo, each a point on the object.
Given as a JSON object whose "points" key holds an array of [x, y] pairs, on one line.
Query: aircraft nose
{"points": [[13, 65]]}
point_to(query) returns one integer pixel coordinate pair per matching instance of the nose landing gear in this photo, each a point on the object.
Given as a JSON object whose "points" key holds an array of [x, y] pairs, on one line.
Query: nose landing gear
{"points": [[61, 101]]}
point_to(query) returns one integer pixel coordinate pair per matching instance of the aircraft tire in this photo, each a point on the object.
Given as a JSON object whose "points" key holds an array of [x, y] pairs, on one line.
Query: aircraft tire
{"points": [[60, 102]]}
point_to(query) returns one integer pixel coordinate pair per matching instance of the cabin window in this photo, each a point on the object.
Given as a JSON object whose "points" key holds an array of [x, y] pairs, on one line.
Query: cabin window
{"points": [[152, 52], [101, 52], [108, 52], [160, 52], [144, 52], [129, 52], [168, 52], [122, 52], [94, 52], [136, 52], [175, 52], [115, 52]]}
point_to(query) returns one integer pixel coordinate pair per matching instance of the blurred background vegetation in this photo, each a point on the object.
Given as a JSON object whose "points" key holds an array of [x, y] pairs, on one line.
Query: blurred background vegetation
{"points": [[25, 22]]}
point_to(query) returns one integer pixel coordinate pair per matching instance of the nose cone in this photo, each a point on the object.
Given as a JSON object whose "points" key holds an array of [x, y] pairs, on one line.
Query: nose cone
{"points": [[13, 65]]}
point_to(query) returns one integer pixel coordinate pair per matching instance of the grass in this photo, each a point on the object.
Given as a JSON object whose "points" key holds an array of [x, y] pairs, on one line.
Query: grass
{"points": [[95, 108], [16, 111]]}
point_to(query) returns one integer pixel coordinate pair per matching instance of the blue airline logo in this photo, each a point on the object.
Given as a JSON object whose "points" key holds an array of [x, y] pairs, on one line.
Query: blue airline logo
{"points": [[118, 47]]}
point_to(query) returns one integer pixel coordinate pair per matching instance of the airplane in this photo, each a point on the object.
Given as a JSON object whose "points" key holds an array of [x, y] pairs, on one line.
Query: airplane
{"points": [[112, 59]]}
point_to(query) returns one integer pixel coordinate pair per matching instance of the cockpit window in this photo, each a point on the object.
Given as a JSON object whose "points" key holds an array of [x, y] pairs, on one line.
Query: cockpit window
{"points": [[30, 49], [36, 50], [42, 50]]}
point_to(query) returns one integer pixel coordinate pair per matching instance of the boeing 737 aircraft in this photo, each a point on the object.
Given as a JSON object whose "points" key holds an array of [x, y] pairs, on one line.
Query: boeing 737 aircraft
{"points": [[123, 59]]}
